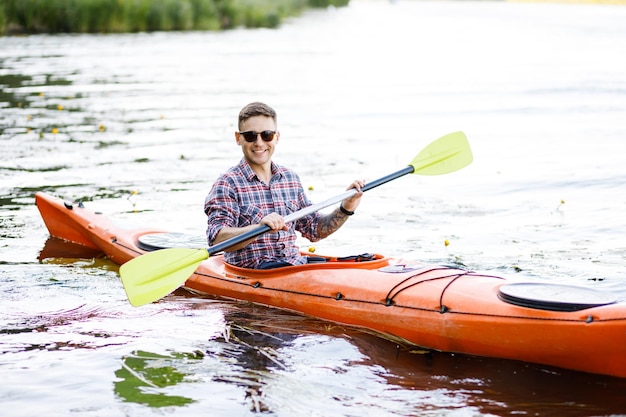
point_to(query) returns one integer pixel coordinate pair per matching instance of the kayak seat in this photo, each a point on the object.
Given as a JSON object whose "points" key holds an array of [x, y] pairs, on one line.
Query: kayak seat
{"points": [[311, 259], [352, 258], [315, 259], [357, 258]]}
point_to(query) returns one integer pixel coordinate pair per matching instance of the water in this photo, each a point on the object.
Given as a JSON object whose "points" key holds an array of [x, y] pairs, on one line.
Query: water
{"points": [[139, 125]]}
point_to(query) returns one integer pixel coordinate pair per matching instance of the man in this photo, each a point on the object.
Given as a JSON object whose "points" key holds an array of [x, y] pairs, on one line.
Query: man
{"points": [[257, 191]]}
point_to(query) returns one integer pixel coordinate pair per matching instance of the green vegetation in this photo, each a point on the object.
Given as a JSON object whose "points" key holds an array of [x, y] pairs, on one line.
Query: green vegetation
{"points": [[116, 16]]}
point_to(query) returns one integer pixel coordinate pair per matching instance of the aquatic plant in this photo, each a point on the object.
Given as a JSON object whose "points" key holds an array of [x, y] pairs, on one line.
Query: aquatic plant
{"points": [[2, 22], [115, 16]]}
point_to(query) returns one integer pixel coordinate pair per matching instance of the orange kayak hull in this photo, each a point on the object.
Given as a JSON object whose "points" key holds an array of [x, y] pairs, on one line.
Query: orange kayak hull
{"points": [[436, 307]]}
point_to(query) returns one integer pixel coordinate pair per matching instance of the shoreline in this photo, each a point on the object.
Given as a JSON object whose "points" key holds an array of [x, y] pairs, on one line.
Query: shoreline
{"points": [[19, 17]]}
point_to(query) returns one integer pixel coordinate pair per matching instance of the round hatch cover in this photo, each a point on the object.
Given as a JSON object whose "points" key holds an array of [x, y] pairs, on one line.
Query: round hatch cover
{"points": [[155, 241], [553, 297]]}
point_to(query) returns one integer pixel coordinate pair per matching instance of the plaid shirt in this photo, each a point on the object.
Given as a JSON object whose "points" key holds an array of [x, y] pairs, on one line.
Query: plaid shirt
{"points": [[238, 198]]}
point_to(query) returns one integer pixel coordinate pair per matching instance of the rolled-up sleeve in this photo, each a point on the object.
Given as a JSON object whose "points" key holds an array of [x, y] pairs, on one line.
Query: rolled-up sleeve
{"points": [[221, 209]]}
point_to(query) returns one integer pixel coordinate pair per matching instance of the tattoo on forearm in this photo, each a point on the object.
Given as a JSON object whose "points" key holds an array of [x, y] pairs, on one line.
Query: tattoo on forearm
{"points": [[330, 223]]}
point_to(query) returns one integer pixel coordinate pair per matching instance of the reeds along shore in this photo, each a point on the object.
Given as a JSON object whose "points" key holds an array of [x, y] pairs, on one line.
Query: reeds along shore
{"points": [[117, 16]]}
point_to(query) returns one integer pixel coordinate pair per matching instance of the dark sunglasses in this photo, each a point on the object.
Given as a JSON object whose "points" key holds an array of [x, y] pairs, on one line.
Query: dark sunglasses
{"points": [[250, 135]]}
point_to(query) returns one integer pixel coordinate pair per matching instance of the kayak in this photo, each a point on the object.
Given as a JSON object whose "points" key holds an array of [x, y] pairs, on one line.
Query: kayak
{"points": [[438, 307]]}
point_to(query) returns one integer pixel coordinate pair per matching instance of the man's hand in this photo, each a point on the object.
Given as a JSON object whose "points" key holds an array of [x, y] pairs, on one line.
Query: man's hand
{"points": [[352, 203], [275, 221]]}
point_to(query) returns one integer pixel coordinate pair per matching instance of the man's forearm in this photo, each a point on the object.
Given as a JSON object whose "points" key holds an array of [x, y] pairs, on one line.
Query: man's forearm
{"points": [[330, 223], [226, 233]]}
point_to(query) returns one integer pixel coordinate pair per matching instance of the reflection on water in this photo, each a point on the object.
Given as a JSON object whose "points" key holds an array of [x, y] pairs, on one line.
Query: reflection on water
{"points": [[281, 361], [143, 374], [62, 252]]}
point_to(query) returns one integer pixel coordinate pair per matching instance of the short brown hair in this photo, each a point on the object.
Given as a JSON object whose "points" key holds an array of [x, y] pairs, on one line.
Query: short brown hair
{"points": [[256, 109]]}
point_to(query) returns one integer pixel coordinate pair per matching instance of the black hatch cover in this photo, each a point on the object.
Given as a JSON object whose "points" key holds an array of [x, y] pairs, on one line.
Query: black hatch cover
{"points": [[553, 297], [155, 241]]}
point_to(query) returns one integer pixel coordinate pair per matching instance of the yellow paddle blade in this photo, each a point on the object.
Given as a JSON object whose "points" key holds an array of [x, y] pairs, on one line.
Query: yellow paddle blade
{"points": [[154, 275], [447, 154]]}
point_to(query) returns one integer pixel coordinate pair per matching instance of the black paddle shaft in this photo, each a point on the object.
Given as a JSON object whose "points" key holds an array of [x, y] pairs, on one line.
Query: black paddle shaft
{"points": [[408, 170]]}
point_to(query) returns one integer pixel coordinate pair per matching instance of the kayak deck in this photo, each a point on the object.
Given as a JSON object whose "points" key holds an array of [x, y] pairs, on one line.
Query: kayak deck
{"points": [[433, 306]]}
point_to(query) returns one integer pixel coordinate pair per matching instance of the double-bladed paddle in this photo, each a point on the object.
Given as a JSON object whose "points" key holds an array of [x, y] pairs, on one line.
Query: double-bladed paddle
{"points": [[154, 275]]}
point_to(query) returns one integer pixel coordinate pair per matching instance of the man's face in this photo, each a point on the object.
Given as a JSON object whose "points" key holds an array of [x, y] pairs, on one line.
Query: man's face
{"points": [[259, 152]]}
